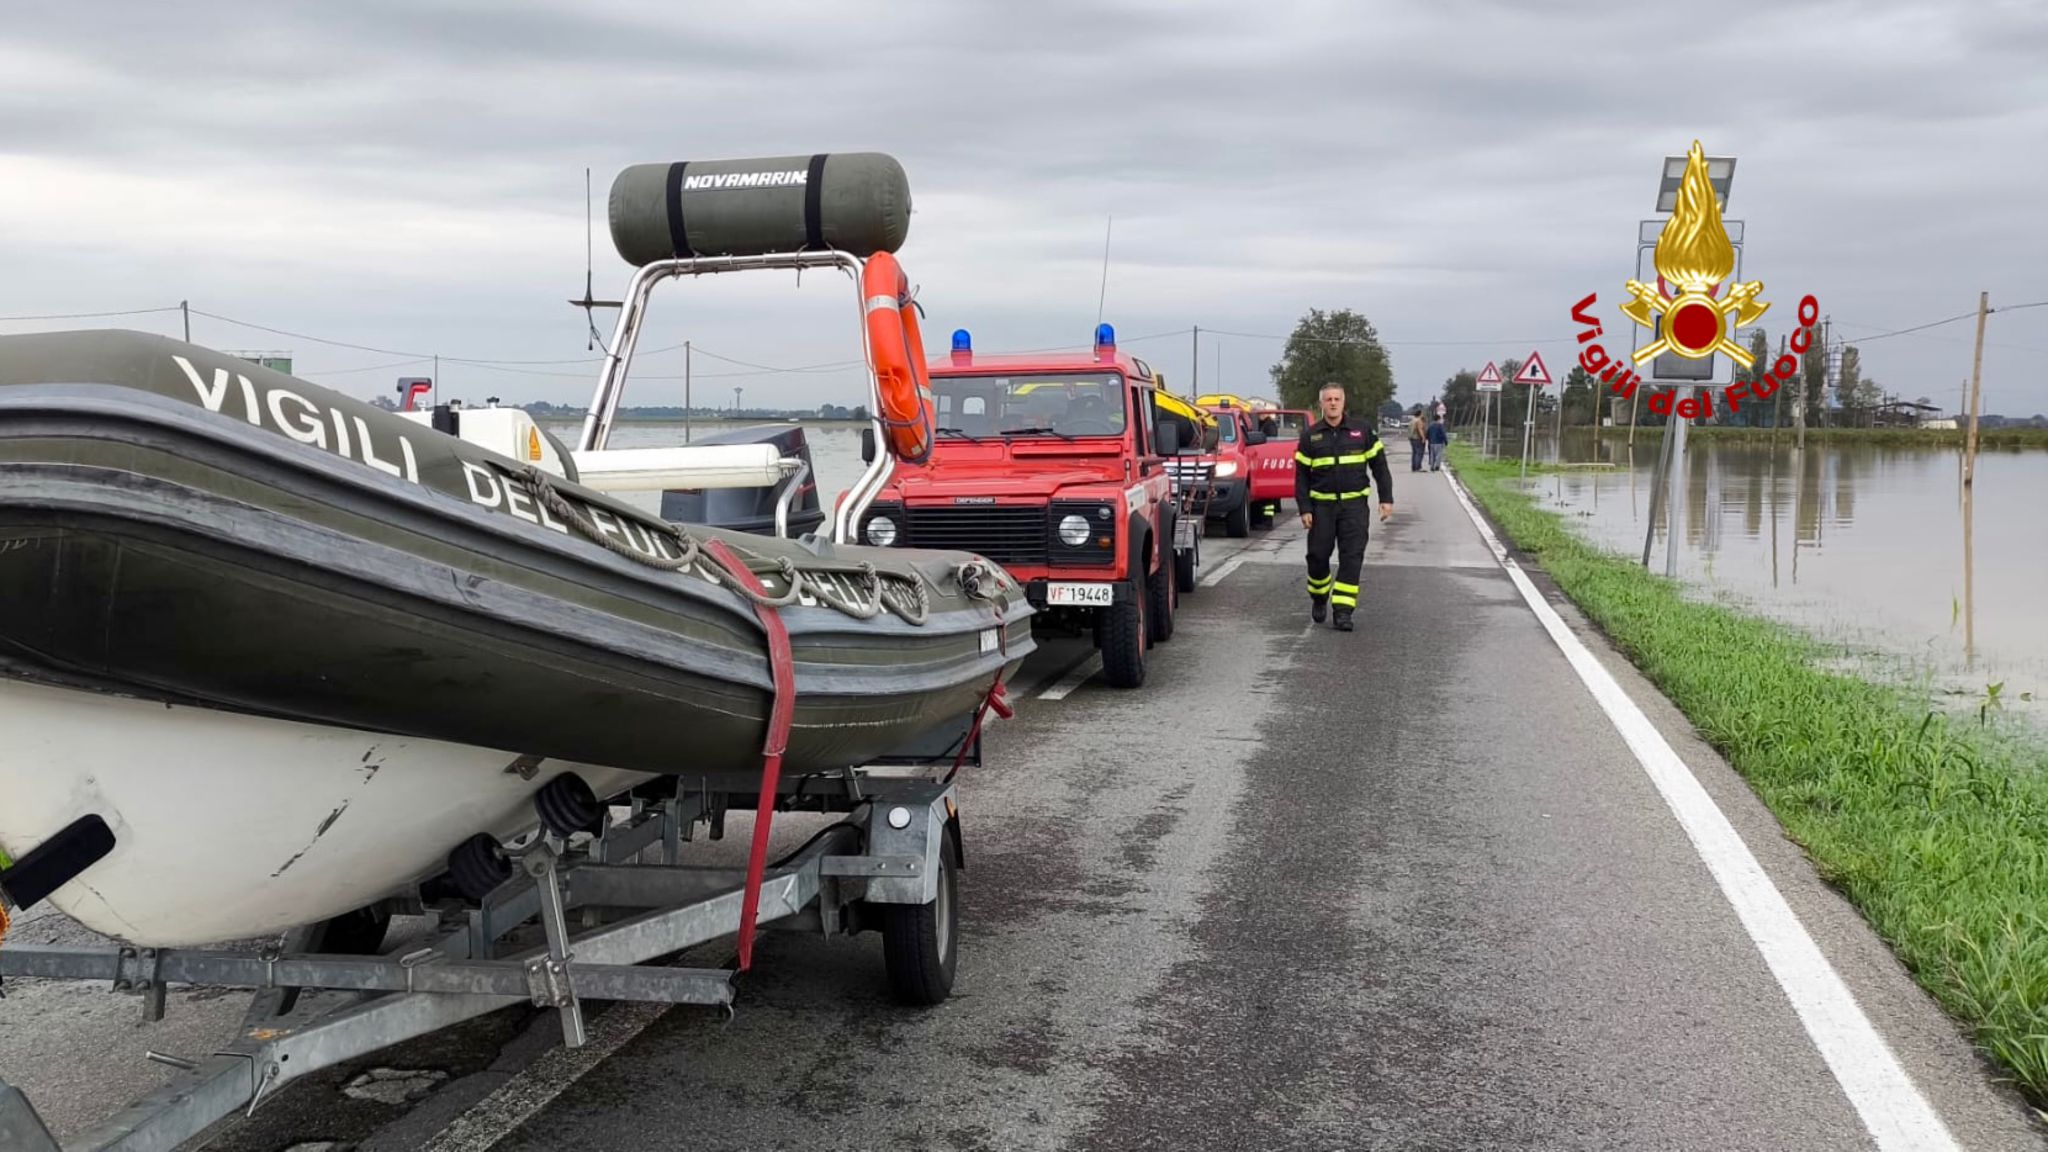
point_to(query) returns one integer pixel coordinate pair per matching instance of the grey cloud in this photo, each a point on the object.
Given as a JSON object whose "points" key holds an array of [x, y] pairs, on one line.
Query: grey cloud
{"points": [[1455, 170]]}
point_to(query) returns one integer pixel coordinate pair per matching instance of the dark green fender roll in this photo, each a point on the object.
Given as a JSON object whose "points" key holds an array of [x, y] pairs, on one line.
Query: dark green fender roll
{"points": [[858, 202]]}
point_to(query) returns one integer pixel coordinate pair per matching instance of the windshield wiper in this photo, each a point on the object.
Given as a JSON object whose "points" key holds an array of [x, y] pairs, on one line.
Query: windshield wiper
{"points": [[1037, 432], [959, 433]]}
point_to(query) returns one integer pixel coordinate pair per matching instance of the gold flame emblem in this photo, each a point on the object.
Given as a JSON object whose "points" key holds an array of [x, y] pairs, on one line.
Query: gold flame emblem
{"points": [[1694, 255]]}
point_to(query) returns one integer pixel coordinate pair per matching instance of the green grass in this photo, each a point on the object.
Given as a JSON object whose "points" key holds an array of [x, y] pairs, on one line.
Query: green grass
{"points": [[1935, 826]]}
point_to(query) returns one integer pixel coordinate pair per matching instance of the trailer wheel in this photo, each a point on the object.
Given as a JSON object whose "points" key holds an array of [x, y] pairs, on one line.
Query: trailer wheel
{"points": [[921, 942], [1165, 598], [1184, 564], [1238, 521]]}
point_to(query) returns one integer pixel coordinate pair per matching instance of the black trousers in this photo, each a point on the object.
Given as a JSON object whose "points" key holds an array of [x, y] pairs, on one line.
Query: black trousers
{"points": [[1344, 525]]}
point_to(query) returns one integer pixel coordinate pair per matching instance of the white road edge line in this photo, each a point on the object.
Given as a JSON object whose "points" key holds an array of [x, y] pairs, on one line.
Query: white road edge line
{"points": [[1227, 567], [1898, 1117], [1074, 679]]}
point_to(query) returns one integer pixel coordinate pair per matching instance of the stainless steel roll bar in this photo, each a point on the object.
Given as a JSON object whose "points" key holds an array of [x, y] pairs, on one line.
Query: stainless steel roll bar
{"points": [[611, 379]]}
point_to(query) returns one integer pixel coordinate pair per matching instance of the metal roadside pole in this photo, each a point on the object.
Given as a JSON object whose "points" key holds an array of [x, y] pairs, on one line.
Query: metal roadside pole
{"points": [[1683, 375], [1489, 387], [1535, 375]]}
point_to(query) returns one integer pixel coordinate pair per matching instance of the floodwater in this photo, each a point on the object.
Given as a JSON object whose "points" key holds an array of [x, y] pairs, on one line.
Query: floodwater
{"points": [[1873, 546]]}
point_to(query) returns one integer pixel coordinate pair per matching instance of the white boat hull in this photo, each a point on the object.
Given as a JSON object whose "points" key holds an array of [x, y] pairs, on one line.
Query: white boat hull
{"points": [[229, 826]]}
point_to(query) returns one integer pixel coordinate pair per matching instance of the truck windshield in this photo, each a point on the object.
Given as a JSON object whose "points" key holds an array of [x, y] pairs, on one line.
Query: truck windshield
{"points": [[1049, 404]]}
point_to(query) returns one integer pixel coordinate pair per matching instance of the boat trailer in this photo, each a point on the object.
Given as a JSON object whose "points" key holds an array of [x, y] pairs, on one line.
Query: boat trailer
{"points": [[581, 918]]}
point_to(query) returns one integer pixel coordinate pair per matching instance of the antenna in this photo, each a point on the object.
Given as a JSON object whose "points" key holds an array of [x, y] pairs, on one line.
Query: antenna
{"points": [[588, 303], [1104, 294]]}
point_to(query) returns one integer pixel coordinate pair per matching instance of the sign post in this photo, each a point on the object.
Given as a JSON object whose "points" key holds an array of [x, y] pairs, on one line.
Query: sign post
{"points": [[1536, 376], [1489, 386]]}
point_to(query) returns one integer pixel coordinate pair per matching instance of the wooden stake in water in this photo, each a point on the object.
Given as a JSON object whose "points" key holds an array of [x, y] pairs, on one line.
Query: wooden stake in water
{"points": [[1969, 584], [1976, 391]]}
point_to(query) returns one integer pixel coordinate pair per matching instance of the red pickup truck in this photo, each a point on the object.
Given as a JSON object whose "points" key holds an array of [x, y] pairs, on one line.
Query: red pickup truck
{"points": [[1268, 453], [1272, 460], [1053, 466], [1218, 471]]}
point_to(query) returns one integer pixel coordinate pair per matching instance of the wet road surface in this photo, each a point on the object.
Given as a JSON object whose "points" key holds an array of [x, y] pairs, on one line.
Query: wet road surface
{"points": [[1402, 888]]}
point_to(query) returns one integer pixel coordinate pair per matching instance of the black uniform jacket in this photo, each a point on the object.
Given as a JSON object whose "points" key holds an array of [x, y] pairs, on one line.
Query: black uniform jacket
{"points": [[1333, 464]]}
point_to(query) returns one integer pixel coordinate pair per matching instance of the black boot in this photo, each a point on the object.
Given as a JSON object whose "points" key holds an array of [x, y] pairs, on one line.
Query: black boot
{"points": [[1316, 609], [1343, 621]]}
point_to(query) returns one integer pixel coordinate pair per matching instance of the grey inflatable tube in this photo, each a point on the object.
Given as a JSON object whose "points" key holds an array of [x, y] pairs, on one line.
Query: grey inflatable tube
{"points": [[858, 202]]}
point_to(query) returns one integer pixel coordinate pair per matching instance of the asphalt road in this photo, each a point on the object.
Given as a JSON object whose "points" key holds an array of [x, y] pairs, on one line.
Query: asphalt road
{"points": [[1403, 888]]}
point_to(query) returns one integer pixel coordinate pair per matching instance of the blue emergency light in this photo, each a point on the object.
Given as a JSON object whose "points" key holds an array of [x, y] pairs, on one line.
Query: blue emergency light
{"points": [[1105, 336], [961, 341]]}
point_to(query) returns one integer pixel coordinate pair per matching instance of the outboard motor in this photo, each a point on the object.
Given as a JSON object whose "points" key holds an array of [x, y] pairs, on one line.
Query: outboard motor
{"points": [[752, 509]]}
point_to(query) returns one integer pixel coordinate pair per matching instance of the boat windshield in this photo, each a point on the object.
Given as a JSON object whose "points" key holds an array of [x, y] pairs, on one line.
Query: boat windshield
{"points": [[1041, 404]]}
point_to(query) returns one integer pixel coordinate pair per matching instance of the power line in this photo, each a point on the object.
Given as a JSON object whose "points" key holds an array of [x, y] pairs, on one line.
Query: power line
{"points": [[86, 315]]}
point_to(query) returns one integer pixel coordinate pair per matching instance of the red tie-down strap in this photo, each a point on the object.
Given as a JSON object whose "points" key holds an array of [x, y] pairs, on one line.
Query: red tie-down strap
{"points": [[782, 709], [997, 699]]}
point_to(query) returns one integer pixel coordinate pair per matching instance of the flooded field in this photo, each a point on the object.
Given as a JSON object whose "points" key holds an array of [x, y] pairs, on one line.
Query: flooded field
{"points": [[1874, 546]]}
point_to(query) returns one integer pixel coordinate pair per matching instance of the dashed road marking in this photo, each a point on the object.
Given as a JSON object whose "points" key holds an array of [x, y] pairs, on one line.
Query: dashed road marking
{"points": [[1074, 679], [1225, 569], [1897, 1116]]}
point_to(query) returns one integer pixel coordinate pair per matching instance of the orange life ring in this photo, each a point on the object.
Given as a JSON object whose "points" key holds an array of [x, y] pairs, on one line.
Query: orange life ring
{"points": [[896, 351]]}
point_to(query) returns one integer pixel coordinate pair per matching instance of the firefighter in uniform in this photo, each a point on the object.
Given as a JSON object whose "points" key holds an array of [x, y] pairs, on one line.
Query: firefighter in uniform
{"points": [[1332, 462]]}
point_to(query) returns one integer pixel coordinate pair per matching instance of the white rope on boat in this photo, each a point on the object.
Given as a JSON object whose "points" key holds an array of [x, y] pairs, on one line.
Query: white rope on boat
{"points": [[904, 596]]}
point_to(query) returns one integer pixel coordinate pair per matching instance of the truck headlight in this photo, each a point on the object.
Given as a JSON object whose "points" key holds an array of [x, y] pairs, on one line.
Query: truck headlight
{"points": [[881, 531], [1226, 468], [1073, 531]]}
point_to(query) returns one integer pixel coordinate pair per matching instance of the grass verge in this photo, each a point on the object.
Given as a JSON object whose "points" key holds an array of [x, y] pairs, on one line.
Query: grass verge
{"points": [[1935, 827]]}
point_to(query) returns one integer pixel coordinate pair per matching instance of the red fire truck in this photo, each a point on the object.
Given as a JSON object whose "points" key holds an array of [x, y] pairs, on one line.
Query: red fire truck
{"points": [[1054, 466]]}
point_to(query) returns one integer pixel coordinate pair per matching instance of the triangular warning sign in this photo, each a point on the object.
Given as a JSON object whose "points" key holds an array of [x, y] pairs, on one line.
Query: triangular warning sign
{"points": [[1491, 375], [1534, 372]]}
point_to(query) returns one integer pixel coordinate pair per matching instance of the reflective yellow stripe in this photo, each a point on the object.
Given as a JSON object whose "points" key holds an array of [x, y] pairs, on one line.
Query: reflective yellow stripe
{"points": [[1360, 458], [1320, 585], [1314, 461], [1315, 589], [1340, 600], [1343, 587], [1340, 495], [1376, 450]]}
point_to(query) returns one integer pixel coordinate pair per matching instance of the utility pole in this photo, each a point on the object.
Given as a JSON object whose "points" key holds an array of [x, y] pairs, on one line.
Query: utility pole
{"points": [[686, 391], [185, 306], [435, 396], [1195, 373], [736, 390], [1976, 391], [1560, 420], [1799, 408]]}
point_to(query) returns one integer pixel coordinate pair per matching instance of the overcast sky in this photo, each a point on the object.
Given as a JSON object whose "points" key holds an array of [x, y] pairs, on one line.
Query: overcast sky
{"points": [[409, 176]]}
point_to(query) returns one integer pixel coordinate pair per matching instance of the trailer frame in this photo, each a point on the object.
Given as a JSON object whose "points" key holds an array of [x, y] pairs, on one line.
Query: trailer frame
{"points": [[889, 865]]}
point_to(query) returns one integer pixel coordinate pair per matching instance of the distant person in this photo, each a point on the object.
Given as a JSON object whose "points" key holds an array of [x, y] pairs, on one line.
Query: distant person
{"points": [[1338, 461], [1438, 437], [1416, 438]]}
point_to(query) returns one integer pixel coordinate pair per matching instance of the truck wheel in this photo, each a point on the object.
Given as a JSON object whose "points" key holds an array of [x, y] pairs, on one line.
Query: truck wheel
{"points": [[1239, 521], [1159, 587], [1120, 634], [921, 942], [1184, 565]]}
